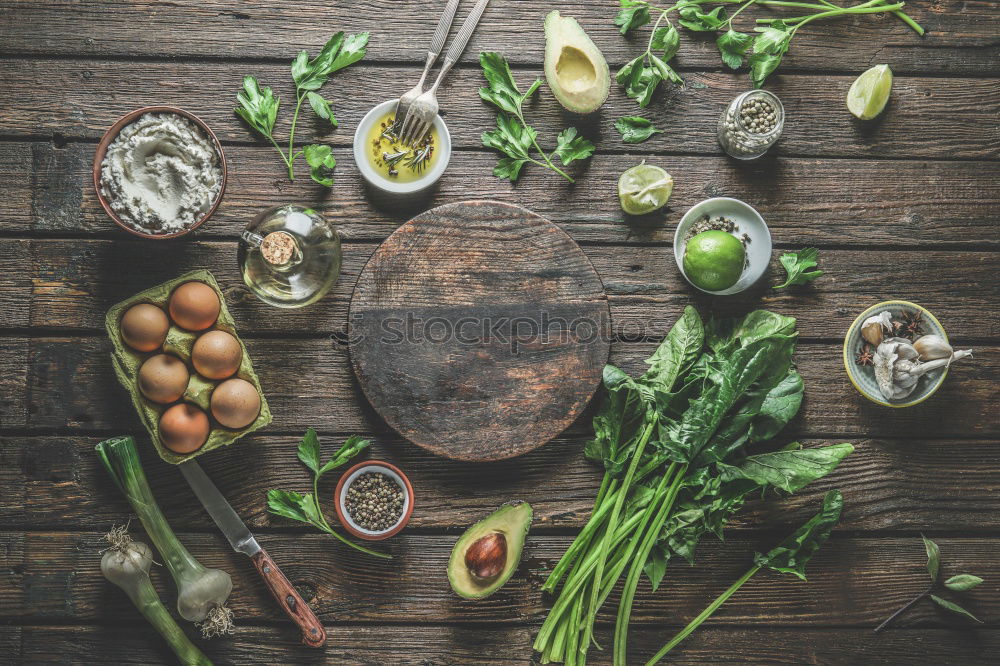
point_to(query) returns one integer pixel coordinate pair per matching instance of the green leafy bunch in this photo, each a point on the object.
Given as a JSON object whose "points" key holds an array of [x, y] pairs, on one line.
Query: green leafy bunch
{"points": [[513, 136], [683, 446], [305, 508], [799, 265], [761, 52], [259, 105], [958, 583]]}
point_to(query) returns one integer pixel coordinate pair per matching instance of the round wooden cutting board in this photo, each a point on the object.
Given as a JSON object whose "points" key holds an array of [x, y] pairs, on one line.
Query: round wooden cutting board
{"points": [[479, 330]]}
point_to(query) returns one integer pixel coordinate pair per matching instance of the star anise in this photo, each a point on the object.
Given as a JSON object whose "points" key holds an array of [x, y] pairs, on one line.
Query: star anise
{"points": [[913, 325], [865, 356]]}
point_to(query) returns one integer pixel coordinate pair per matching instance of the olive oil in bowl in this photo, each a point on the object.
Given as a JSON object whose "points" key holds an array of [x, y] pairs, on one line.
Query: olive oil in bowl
{"points": [[398, 162]]}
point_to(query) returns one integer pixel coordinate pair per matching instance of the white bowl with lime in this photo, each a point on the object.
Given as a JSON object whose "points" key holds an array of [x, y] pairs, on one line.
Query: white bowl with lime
{"points": [[730, 246]]}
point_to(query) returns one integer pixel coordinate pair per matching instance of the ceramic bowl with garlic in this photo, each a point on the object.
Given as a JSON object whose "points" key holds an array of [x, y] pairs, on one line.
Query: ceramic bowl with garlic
{"points": [[897, 354]]}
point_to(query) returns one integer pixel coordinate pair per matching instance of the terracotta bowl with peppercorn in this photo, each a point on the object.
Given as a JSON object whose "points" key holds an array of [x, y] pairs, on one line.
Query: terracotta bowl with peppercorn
{"points": [[374, 500]]}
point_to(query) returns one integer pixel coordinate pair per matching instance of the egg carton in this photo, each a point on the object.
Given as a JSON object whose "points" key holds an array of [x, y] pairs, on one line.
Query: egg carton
{"points": [[126, 362]]}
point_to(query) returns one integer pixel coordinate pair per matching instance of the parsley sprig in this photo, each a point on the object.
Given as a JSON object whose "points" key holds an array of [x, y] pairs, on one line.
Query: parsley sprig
{"points": [[305, 508], [762, 52], [798, 265], [514, 137], [259, 105]]}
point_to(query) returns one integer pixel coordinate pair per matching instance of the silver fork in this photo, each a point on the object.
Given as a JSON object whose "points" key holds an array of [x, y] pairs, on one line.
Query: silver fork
{"points": [[425, 108], [437, 43]]}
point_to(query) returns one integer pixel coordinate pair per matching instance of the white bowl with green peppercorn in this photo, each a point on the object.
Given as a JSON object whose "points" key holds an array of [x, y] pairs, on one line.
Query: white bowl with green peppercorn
{"points": [[374, 500], [391, 167], [709, 266]]}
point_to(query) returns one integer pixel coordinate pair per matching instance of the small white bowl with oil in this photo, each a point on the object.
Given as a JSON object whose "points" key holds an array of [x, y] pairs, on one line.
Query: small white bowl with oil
{"points": [[372, 145]]}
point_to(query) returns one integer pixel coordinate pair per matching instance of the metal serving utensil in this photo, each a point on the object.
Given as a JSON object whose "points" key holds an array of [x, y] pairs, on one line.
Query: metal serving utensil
{"points": [[437, 43], [425, 108]]}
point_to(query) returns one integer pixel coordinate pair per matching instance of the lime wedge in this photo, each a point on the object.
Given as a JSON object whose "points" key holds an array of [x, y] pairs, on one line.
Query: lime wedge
{"points": [[870, 92], [644, 188]]}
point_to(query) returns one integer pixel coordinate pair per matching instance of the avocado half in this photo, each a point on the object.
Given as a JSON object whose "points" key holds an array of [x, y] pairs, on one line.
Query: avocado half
{"points": [[508, 525], [575, 68]]}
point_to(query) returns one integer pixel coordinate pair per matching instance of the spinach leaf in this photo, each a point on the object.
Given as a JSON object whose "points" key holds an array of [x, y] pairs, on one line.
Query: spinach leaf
{"points": [[619, 420], [676, 353], [789, 470], [792, 554], [780, 406]]}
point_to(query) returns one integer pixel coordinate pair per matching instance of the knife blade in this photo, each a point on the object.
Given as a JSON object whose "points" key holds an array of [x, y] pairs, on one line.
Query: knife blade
{"points": [[242, 540]]}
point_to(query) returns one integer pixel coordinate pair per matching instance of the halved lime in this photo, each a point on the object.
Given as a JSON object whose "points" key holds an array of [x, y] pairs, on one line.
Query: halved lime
{"points": [[644, 188], [713, 260], [870, 92]]}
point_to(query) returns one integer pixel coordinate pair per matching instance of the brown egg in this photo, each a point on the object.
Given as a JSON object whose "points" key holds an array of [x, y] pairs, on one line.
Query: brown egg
{"points": [[235, 403], [163, 378], [144, 327], [184, 428], [194, 306], [216, 355]]}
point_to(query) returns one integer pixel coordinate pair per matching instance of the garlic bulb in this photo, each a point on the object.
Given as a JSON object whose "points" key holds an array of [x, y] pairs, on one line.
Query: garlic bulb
{"points": [[898, 367], [931, 347], [874, 328]]}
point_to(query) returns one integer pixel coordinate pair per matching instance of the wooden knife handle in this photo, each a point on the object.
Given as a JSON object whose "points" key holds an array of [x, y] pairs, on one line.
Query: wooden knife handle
{"points": [[313, 633]]}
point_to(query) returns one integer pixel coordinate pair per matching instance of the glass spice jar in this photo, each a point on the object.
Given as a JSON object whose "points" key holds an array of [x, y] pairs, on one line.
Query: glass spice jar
{"points": [[751, 124]]}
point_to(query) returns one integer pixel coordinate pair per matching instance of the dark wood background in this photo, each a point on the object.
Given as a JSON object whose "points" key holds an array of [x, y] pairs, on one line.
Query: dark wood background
{"points": [[904, 207]]}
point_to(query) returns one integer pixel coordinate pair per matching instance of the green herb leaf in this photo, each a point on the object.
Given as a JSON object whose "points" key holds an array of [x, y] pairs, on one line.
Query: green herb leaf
{"points": [[954, 608], [287, 503], [667, 40], [571, 147], [780, 405], [309, 450], [773, 39], [640, 81], [514, 140], [797, 265], [635, 129], [502, 91], [337, 53], [633, 14], [962, 582], [656, 566], [789, 470], [348, 450], [692, 18], [732, 46], [321, 107], [792, 554], [933, 557], [676, 353], [321, 163], [258, 106]]}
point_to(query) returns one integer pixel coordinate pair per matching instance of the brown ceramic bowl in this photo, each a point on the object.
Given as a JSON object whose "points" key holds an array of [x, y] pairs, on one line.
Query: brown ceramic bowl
{"points": [[341, 494], [110, 136]]}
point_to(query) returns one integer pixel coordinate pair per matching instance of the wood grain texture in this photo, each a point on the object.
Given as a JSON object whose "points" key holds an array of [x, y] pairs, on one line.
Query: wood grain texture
{"points": [[853, 582], [479, 330], [925, 205], [85, 100], [74, 282], [960, 35], [56, 482], [364, 645], [310, 384]]}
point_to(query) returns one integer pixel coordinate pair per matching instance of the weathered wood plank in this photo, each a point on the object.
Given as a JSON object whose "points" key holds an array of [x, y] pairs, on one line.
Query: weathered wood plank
{"points": [[817, 202], [960, 37], [927, 118], [852, 581], [75, 282], [14, 399], [503, 646], [901, 484], [309, 383]]}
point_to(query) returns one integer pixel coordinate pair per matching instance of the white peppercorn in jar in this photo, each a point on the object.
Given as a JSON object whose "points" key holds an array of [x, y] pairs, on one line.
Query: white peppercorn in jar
{"points": [[751, 124]]}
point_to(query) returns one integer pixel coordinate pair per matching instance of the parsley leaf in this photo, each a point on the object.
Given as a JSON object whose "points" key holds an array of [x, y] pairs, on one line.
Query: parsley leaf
{"points": [[321, 163], [797, 265], [692, 18], [321, 107], [633, 14], [635, 129], [513, 136], [640, 79], [732, 45], [258, 106], [337, 53]]}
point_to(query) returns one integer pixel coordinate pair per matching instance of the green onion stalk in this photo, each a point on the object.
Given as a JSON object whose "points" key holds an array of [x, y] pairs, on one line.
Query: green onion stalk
{"points": [[126, 564], [201, 592]]}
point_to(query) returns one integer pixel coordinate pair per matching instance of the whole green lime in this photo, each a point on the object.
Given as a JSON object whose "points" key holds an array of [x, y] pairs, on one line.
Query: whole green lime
{"points": [[713, 260]]}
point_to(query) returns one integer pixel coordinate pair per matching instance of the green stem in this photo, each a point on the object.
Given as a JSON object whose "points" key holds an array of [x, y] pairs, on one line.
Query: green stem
{"points": [[144, 596], [905, 18], [612, 521], [704, 615], [638, 565], [280, 151], [291, 134], [729, 22]]}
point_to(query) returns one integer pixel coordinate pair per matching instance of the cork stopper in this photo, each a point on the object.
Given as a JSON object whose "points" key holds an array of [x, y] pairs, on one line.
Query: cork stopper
{"points": [[278, 248]]}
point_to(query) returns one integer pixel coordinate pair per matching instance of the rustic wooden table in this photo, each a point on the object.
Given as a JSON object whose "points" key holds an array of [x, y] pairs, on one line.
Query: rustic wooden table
{"points": [[905, 207]]}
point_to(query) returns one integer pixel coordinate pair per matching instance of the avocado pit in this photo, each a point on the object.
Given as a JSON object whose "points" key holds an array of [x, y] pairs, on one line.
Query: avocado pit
{"points": [[487, 557]]}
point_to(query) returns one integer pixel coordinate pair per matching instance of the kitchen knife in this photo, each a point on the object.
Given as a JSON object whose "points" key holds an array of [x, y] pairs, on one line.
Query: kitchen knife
{"points": [[242, 541]]}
